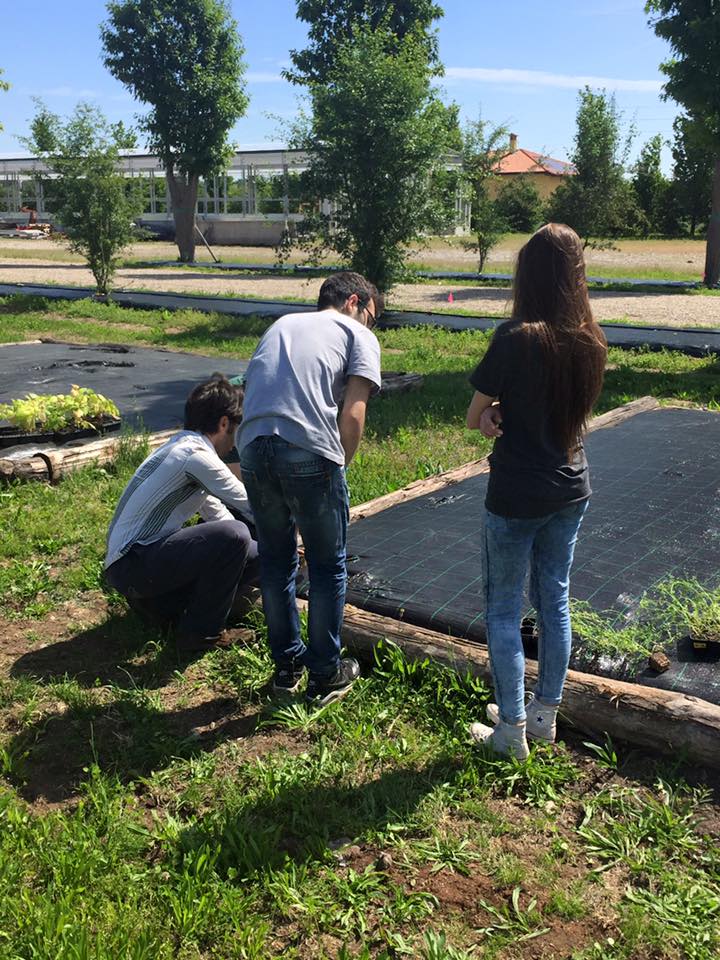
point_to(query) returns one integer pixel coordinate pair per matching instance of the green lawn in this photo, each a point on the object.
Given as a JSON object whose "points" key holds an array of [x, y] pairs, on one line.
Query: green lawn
{"points": [[152, 808]]}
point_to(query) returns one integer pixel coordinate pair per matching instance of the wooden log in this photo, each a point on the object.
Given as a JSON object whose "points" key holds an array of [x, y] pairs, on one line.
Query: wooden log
{"points": [[400, 382], [53, 465], [661, 720]]}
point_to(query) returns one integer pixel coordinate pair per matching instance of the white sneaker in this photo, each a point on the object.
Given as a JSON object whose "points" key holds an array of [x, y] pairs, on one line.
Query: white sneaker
{"points": [[505, 739], [541, 720]]}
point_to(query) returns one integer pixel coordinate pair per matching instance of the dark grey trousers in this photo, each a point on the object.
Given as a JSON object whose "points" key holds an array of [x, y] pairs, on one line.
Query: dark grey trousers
{"points": [[190, 577]]}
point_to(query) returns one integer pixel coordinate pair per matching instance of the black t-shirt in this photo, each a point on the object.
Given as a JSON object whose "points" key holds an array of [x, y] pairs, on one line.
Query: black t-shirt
{"points": [[530, 475]]}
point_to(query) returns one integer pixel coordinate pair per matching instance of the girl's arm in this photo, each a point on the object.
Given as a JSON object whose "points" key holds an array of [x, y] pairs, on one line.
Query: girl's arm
{"points": [[479, 403]]}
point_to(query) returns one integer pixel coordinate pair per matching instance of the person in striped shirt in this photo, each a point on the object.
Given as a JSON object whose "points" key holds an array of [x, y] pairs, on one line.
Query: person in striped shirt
{"points": [[186, 575]]}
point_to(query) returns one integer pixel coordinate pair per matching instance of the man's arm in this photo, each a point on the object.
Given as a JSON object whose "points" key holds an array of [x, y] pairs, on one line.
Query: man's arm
{"points": [[216, 479], [479, 403], [351, 421], [213, 509]]}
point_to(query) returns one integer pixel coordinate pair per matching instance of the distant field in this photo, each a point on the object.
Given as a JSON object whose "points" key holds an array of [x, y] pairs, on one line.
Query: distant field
{"points": [[652, 259]]}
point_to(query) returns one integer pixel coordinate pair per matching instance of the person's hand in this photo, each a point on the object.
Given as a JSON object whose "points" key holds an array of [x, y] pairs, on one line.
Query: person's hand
{"points": [[491, 422]]}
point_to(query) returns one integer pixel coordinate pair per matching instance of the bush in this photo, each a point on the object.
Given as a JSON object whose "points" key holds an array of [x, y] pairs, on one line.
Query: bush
{"points": [[520, 205]]}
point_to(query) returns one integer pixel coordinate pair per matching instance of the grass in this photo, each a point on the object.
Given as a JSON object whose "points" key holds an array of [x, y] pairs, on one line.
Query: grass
{"points": [[634, 258], [155, 808]]}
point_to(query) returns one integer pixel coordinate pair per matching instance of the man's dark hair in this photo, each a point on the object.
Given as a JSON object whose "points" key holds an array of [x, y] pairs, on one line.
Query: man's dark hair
{"points": [[339, 286], [211, 400]]}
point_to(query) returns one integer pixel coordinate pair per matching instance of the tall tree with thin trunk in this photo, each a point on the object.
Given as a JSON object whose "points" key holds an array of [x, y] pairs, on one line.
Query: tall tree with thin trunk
{"points": [[594, 200], [183, 59], [96, 204], [377, 134], [483, 146], [692, 28], [332, 22]]}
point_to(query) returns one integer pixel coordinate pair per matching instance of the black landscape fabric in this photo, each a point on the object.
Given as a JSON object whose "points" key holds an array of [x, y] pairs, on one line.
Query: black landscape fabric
{"points": [[655, 513], [148, 386]]}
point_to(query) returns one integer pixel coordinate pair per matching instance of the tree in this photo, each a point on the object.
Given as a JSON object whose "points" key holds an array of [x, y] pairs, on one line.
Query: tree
{"points": [[333, 22], [483, 146], [692, 28], [96, 205], [594, 201], [693, 163], [377, 132], [651, 186], [182, 58], [519, 204], [4, 85]]}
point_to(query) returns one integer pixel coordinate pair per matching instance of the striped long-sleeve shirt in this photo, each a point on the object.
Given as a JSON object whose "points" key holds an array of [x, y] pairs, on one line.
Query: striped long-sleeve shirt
{"points": [[183, 477]]}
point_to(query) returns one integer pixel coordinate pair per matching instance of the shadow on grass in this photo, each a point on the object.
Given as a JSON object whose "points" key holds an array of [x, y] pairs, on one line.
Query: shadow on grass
{"points": [[121, 652], [126, 737], [300, 820]]}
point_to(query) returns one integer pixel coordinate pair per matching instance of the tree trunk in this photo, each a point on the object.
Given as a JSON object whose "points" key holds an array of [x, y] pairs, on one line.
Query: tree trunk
{"points": [[183, 192], [712, 255]]}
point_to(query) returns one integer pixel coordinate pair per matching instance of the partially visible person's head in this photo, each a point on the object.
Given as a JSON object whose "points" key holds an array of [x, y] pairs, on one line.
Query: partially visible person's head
{"points": [[215, 409], [550, 285], [350, 293]]}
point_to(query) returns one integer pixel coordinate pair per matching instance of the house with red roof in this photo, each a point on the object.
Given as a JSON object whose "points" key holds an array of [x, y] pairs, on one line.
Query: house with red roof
{"points": [[545, 173]]}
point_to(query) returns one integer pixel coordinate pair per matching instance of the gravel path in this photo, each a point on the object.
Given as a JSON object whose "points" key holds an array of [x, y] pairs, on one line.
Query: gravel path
{"points": [[677, 310]]}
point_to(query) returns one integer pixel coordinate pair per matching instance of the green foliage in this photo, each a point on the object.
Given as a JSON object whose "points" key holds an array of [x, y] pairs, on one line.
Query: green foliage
{"points": [[333, 22], [693, 77], [692, 171], [482, 145], [520, 205], [651, 187], [82, 407], [686, 607], [183, 60], [377, 132], [596, 202], [693, 69], [94, 203]]}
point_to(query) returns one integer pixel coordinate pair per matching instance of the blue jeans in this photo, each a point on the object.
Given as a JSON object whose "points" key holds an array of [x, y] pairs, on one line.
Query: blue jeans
{"points": [[289, 489], [545, 545]]}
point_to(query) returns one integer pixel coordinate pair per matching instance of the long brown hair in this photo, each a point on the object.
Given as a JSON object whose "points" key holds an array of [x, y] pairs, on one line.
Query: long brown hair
{"points": [[551, 301]]}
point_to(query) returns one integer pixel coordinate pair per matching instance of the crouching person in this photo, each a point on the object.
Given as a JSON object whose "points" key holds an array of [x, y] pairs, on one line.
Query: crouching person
{"points": [[170, 573]]}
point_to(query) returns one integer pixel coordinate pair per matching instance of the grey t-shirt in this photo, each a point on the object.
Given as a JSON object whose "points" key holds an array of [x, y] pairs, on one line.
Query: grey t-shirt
{"points": [[296, 377]]}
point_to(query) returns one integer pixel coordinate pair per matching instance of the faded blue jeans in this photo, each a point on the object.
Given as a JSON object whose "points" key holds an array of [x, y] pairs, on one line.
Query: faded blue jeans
{"points": [[289, 489], [545, 545]]}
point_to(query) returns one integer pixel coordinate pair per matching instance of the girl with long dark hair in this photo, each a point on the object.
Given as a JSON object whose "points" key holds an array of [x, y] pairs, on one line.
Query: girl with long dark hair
{"points": [[535, 389]]}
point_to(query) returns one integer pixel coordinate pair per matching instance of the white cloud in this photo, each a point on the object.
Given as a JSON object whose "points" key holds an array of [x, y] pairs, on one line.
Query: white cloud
{"points": [[538, 78]]}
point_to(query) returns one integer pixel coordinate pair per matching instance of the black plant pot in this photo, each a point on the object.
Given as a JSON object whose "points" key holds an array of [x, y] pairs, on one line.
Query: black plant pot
{"points": [[12, 437]]}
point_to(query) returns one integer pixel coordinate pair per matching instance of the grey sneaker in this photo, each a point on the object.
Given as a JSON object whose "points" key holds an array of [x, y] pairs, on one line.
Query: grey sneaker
{"points": [[541, 720], [505, 739], [324, 690], [287, 678]]}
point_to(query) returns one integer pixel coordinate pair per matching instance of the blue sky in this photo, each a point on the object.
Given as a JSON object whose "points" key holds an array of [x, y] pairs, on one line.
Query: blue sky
{"points": [[521, 62]]}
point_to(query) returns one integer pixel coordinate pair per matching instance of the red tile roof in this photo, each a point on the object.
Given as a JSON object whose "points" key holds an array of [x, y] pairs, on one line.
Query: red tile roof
{"points": [[527, 161]]}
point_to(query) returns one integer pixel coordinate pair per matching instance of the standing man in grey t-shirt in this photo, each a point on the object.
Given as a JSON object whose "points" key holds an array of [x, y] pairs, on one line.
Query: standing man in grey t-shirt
{"points": [[306, 394]]}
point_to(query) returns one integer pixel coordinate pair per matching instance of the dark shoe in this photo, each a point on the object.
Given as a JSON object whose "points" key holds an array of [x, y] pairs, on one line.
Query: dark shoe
{"points": [[287, 678], [324, 690]]}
